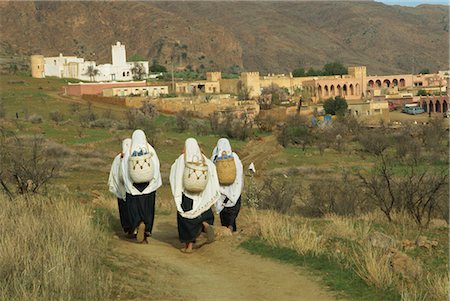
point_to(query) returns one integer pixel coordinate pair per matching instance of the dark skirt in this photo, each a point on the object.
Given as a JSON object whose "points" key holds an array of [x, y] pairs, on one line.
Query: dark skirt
{"points": [[123, 215], [141, 208], [190, 229], [228, 215]]}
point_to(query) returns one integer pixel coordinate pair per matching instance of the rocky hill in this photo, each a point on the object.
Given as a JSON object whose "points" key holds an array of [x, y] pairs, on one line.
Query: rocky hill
{"points": [[267, 36]]}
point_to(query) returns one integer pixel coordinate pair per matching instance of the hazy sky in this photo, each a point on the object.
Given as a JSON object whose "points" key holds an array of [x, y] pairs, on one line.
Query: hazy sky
{"points": [[414, 2]]}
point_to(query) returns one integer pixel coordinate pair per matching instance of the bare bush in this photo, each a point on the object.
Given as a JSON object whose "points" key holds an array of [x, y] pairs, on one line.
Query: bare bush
{"points": [[265, 124], [410, 186], [231, 124], [341, 196], [183, 120], [2, 110], [295, 131], [27, 164], [35, 118], [279, 194], [56, 116]]}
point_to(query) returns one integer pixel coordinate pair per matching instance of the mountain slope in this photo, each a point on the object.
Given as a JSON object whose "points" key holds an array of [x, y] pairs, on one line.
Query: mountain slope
{"points": [[267, 36]]}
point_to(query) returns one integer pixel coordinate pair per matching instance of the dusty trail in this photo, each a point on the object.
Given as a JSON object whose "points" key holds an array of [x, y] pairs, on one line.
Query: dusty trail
{"points": [[218, 271]]}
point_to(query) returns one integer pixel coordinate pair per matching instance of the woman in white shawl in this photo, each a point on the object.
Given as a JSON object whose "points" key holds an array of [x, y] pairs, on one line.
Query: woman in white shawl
{"points": [[194, 214], [140, 197], [117, 186], [229, 202]]}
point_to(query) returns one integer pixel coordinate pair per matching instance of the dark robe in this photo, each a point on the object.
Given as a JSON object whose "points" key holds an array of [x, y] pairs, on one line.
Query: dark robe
{"points": [[123, 215], [141, 208], [190, 229], [228, 215]]}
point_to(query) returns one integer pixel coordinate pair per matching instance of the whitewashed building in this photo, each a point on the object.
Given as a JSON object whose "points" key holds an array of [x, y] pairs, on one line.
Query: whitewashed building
{"points": [[74, 67]]}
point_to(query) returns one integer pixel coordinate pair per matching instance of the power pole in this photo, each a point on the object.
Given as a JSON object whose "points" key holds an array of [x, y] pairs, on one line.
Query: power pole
{"points": [[173, 80]]}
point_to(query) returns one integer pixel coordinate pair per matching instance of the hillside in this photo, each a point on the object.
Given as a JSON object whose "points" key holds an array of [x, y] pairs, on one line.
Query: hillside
{"points": [[269, 36]]}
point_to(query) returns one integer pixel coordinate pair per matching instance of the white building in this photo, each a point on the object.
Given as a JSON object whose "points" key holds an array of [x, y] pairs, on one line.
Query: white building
{"points": [[74, 67]]}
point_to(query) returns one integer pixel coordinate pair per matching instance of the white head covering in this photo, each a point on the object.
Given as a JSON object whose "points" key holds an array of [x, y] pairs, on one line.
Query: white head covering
{"points": [[115, 181], [233, 191], [139, 145], [201, 201]]}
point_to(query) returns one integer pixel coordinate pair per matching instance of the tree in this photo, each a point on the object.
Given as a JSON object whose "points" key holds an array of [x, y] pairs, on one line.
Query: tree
{"points": [[138, 71], [313, 72], [336, 106], [92, 72], [422, 92], [278, 94], [334, 68], [299, 72], [13, 68], [424, 71], [155, 67]]}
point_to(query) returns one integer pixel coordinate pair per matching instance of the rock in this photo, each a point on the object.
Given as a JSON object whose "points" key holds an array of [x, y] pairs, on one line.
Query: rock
{"points": [[381, 240], [424, 242], [407, 244], [404, 265], [221, 232]]}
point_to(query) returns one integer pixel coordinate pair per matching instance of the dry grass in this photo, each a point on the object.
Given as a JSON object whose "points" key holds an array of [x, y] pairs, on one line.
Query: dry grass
{"points": [[348, 228], [50, 250], [282, 230], [372, 265], [347, 241], [438, 287]]}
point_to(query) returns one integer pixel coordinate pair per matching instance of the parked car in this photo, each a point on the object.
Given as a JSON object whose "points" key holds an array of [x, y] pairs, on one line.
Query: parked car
{"points": [[392, 106], [413, 110]]}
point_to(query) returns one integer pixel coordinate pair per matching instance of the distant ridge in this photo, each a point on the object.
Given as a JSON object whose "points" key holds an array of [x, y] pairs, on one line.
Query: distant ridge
{"points": [[265, 36]]}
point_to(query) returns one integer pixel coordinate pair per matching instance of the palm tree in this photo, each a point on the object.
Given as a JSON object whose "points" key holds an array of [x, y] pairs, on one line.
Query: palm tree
{"points": [[92, 72]]}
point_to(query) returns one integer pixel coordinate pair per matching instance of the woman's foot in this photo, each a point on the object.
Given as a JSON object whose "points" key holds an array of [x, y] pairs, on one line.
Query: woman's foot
{"points": [[187, 248], [209, 229], [140, 236]]}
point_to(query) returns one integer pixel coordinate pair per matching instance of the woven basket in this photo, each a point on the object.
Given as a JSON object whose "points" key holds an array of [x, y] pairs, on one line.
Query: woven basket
{"points": [[140, 168], [195, 175], [226, 170]]}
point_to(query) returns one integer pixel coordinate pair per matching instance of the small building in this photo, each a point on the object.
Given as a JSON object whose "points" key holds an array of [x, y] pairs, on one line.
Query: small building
{"points": [[369, 108], [152, 91], [78, 89], [208, 87]]}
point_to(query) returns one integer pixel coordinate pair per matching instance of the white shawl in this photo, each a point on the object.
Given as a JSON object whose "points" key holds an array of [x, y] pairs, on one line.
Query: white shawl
{"points": [[233, 191], [115, 180], [139, 143], [201, 201]]}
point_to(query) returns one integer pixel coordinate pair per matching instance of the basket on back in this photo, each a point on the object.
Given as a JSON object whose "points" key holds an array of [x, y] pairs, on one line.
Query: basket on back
{"points": [[141, 168], [226, 169], [195, 175]]}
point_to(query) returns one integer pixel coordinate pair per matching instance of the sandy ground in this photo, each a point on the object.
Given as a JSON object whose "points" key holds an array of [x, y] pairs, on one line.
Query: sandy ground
{"points": [[217, 271]]}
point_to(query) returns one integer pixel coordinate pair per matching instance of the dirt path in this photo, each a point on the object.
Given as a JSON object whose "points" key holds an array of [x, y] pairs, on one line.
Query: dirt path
{"points": [[218, 271]]}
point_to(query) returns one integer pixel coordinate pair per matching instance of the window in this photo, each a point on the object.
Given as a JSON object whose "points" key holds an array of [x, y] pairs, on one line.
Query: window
{"points": [[128, 73], [123, 73]]}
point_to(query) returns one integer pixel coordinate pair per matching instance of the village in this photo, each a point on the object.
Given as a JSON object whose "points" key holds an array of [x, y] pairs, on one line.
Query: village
{"points": [[369, 97]]}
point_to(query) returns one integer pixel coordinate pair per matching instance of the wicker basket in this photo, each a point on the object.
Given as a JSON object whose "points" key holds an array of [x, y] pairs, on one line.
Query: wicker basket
{"points": [[195, 175], [140, 168], [226, 170]]}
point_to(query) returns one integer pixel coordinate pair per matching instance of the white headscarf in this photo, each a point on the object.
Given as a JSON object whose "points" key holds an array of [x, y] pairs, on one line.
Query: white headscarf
{"points": [[115, 181], [201, 201], [139, 144], [233, 191]]}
